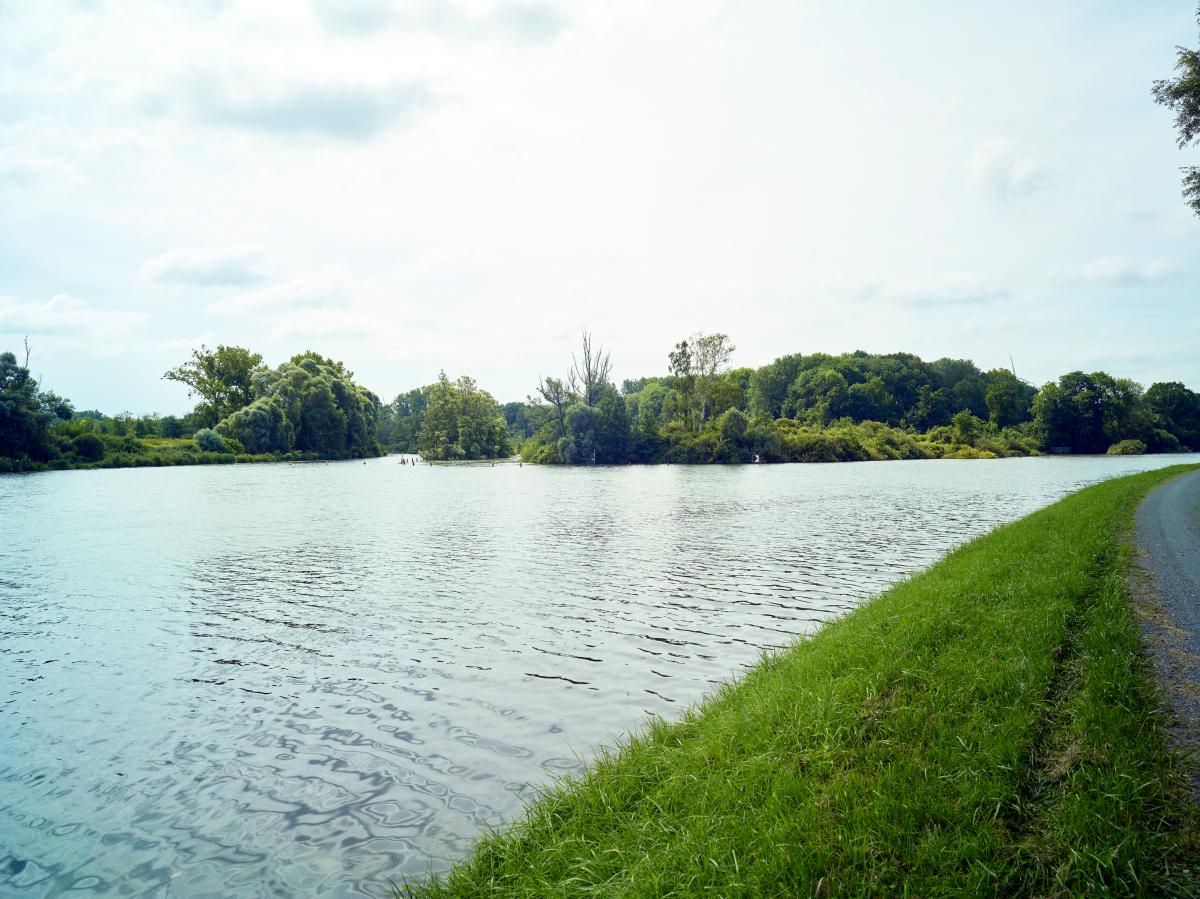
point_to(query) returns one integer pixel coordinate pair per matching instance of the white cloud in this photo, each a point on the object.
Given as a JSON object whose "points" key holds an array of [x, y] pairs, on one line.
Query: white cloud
{"points": [[63, 314], [947, 288], [183, 344], [1112, 271], [1001, 167], [516, 19], [325, 324], [205, 266], [343, 111], [327, 287], [648, 168], [25, 168]]}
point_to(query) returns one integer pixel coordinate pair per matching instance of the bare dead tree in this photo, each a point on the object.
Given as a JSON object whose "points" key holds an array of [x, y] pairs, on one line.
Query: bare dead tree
{"points": [[28, 350], [589, 375]]}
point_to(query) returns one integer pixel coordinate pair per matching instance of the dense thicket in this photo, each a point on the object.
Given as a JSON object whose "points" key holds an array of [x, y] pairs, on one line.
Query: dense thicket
{"points": [[310, 404], [798, 408], [307, 408], [27, 413], [446, 420], [853, 406]]}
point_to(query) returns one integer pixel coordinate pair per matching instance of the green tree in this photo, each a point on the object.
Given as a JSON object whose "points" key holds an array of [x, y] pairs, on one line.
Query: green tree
{"points": [[769, 385], [931, 410], [819, 395], [681, 364], [26, 413], [261, 427], [1087, 413], [612, 430], [558, 397], [578, 447], [329, 414], [461, 422], [964, 384], [732, 431], [223, 379], [1181, 95], [517, 417], [209, 440], [967, 427], [1008, 398], [400, 421], [1177, 410], [871, 401], [710, 358], [646, 443]]}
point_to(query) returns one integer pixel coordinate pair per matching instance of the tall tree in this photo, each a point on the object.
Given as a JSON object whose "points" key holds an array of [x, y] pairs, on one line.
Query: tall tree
{"points": [[1008, 398], [681, 364], [589, 374], [26, 412], [1089, 412], [769, 385], [222, 378], [1182, 96], [555, 392], [711, 353], [696, 363], [1177, 410], [327, 412], [462, 422]]}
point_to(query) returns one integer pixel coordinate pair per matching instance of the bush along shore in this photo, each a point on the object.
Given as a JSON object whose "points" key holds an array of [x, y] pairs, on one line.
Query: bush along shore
{"points": [[988, 727]]}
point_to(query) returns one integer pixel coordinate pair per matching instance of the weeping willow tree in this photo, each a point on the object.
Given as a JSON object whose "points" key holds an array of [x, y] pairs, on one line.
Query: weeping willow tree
{"points": [[310, 404], [1181, 95]]}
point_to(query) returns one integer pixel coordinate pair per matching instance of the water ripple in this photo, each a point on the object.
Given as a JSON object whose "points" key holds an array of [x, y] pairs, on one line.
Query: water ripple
{"points": [[291, 680]]}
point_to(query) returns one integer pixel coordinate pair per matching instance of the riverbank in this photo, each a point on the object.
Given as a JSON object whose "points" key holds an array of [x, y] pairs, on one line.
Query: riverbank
{"points": [[154, 452], [988, 727]]}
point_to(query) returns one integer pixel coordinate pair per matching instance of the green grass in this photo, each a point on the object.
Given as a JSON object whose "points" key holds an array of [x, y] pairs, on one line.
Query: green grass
{"points": [[989, 727]]}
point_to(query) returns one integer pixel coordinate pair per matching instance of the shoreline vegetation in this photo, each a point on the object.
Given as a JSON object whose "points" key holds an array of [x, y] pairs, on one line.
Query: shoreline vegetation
{"points": [[799, 408], [987, 727]]}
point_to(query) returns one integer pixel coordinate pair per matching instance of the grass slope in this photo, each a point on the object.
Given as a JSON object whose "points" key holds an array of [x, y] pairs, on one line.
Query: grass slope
{"points": [[989, 727]]}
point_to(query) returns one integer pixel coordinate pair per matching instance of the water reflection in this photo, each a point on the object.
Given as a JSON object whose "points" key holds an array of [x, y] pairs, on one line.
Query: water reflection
{"points": [[285, 680]]}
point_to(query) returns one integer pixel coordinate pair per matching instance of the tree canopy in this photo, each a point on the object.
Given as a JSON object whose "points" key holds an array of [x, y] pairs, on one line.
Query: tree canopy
{"points": [[460, 421], [815, 407], [1181, 95], [309, 403], [26, 413]]}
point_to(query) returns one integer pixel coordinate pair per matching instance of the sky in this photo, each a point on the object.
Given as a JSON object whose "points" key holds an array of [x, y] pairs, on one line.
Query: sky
{"points": [[465, 185]]}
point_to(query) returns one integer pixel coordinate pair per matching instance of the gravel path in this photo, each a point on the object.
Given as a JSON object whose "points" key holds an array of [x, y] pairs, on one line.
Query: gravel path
{"points": [[1168, 594]]}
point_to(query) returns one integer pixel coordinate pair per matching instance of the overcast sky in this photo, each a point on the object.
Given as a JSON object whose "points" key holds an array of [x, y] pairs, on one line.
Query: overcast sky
{"points": [[412, 186]]}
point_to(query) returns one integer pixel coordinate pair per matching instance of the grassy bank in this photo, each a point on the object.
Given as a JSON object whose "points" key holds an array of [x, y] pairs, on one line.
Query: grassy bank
{"points": [[989, 727]]}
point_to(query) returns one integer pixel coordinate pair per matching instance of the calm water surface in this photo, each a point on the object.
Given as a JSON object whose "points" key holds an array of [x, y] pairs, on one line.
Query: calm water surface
{"points": [[283, 680]]}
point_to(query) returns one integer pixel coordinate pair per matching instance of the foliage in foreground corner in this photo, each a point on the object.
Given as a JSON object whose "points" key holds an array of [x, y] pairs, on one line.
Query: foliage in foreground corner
{"points": [[1181, 95]]}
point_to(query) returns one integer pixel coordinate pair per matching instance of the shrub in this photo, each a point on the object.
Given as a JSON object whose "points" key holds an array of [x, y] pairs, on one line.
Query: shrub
{"points": [[1127, 448], [88, 447], [209, 441], [127, 445]]}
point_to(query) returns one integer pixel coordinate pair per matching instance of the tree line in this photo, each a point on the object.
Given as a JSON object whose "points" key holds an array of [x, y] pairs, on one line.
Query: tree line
{"points": [[799, 408], [815, 407], [309, 407]]}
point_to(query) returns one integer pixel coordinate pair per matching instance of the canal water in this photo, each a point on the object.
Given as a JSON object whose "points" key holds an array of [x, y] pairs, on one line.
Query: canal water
{"points": [[312, 679]]}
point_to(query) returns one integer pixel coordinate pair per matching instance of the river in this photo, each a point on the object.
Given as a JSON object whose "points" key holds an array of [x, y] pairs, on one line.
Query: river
{"points": [[306, 679]]}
